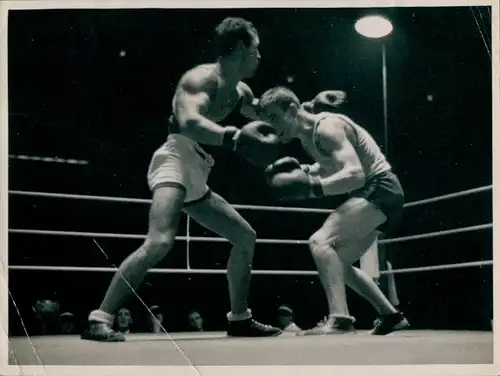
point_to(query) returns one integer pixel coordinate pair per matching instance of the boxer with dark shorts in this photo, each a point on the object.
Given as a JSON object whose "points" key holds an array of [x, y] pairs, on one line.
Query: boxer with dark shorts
{"points": [[348, 161], [178, 174]]}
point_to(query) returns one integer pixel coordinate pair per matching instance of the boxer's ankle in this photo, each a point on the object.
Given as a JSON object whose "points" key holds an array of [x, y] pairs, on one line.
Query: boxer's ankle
{"points": [[98, 316], [341, 318], [245, 315]]}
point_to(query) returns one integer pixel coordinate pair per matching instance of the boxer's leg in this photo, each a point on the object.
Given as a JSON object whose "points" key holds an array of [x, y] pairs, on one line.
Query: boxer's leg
{"points": [[167, 178], [367, 288], [217, 215], [344, 237], [164, 215]]}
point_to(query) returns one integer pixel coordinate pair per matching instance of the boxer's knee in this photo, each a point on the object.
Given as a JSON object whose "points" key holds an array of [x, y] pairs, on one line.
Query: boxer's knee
{"points": [[155, 248], [321, 245], [245, 238]]}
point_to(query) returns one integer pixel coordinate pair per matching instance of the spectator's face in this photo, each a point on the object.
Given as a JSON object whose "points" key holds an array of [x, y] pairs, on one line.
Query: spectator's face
{"points": [[123, 318], [46, 308], [196, 321]]}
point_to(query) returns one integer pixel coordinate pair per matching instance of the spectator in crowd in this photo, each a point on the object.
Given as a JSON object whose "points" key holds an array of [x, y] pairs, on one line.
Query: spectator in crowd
{"points": [[67, 323], [195, 321], [46, 316], [123, 320], [286, 319], [155, 320]]}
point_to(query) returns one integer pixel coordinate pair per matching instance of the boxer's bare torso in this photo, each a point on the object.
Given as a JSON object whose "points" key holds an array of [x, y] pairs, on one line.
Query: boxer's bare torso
{"points": [[218, 96]]}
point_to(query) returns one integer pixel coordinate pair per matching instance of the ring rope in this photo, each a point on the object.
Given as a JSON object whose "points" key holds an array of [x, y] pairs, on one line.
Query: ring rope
{"points": [[248, 207], [223, 240], [137, 236], [256, 272], [437, 233], [448, 196], [262, 241]]}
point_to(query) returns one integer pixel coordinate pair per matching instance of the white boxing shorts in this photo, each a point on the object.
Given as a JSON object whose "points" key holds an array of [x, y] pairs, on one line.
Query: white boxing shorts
{"points": [[181, 162]]}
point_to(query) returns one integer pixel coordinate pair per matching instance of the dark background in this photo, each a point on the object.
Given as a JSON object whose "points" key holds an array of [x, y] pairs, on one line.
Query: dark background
{"points": [[71, 95]]}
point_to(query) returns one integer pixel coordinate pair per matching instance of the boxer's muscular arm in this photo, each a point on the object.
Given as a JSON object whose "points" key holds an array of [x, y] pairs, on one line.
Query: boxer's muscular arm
{"points": [[333, 142], [190, 105], [249, 107]]}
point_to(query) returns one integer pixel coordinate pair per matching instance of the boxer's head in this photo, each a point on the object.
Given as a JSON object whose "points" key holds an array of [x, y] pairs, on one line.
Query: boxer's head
{"points": [[238, 40], [279, 106]]}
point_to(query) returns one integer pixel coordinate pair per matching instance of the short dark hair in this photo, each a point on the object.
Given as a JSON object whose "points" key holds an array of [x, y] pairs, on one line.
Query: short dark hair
{"points": [[280, 96], [232, 30]]}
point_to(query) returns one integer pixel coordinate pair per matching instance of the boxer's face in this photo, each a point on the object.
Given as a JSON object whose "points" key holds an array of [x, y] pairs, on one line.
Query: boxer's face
{"points": [[250, 58], [283, 122]]}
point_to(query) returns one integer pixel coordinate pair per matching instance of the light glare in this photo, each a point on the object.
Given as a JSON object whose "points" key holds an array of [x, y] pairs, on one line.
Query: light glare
{"points": [[373, 26]]}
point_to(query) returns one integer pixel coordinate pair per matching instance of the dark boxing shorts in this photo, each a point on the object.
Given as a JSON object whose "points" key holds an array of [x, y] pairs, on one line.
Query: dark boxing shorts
{"points": [[385, 191]]}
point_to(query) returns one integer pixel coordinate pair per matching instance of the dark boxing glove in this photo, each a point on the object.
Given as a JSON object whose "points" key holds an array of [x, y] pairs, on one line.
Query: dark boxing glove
{"points": [[286, 164], [329, 100], [326, 101], [295, 184], [257, 142]]}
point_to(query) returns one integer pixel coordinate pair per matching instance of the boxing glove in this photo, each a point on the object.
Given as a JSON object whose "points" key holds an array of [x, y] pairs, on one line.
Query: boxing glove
{"points": [[256, 142], [286, 164], [329, 100], [308, 106], [295, 185], [325, 101]]}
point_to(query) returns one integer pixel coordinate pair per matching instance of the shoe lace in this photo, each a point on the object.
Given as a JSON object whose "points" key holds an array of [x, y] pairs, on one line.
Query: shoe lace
{"points": [[260, 325], [321, 324]]}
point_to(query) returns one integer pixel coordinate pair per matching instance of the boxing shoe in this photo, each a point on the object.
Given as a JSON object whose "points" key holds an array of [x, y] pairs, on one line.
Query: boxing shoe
{"points": [[331, 325], [386, 324], [251, 328], [102, 332], [256, 142]]}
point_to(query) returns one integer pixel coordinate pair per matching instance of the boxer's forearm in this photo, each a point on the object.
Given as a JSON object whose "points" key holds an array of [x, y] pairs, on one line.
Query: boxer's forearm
{"points": [[203, 130]]}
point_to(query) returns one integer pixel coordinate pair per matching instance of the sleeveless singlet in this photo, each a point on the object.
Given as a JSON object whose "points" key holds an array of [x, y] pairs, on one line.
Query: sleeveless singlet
{"points": [[372, 159]]}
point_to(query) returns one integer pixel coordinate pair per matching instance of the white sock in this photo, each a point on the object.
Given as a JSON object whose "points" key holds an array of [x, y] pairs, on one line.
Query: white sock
{"points": [[333, 316], [239, 316], [101, 317]]}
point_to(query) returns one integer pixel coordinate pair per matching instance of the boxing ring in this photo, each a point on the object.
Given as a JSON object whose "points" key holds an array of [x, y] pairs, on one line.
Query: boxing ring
{"points": [[410, 347]]}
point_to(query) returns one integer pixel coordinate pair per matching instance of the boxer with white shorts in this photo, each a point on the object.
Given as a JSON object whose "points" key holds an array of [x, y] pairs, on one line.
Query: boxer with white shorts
{"points": [[178, 174]]}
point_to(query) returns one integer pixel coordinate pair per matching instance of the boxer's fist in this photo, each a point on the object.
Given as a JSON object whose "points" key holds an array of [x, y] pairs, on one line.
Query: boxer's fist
{"points": [[287, 164], [326, 101], [329, 100], [257, 142], [294, 184]]}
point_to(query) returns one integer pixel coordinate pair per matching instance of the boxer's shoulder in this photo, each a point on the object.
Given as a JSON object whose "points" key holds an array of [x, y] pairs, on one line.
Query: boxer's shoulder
{"points": [[330, 126], [330, 131], [199, 78]]}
